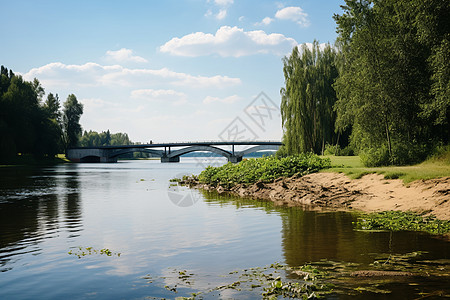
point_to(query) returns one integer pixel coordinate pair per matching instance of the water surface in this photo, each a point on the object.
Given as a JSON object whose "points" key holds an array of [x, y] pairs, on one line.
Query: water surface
{"points": [[130, 208]]}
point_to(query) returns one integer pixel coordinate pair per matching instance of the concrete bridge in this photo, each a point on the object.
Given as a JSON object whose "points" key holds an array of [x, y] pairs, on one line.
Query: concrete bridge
{"points": [[166, 151]]}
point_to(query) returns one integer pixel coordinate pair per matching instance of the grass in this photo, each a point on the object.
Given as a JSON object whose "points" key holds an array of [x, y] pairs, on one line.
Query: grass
{"points": [[26, 160], [434, 167]]}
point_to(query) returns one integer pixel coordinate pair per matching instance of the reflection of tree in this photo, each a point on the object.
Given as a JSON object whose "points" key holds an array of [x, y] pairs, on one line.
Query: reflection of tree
{"points": [[309, 236], [73, 207], [29, 207]]}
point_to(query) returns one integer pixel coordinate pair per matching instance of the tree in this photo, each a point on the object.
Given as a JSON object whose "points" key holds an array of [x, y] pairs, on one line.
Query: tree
{"points": [[52, 107], [307, 99], [72, 112], [385, 83], [105, 138]]}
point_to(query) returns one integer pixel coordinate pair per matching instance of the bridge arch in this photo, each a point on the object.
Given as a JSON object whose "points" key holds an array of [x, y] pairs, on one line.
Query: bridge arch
{"points": [[257, 148], [117, 153], [190, 149]]}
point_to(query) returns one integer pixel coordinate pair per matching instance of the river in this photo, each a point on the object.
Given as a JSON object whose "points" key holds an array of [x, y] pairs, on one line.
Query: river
{"points": [[166, 241]]}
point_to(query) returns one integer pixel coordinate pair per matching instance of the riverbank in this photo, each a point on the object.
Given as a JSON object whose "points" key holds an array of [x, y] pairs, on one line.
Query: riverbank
{"points": [[29, 160], [336, 191]]}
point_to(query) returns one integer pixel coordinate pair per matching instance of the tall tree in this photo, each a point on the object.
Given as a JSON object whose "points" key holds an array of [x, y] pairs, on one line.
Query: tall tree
{"points": [[72, 112], [52, 107], [385, 81], [308, 97]]}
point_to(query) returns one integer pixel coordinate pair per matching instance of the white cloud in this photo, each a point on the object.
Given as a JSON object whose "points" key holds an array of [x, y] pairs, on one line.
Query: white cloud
{"points": [[223, 2], [265, 21], [230, 99], [241, 18], [160, 95], [310, 46], [124, 55], [221, 14], [293, 13], [93, 75], [208, 13], [94, 104], [229, 41], [223, 6]]}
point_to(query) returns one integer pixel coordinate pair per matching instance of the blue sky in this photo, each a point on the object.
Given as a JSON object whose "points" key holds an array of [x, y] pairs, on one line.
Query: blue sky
{"points": [[165, 70]]}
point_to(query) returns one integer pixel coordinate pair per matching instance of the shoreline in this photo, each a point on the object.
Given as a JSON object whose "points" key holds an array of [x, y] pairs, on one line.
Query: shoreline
{"points": [[336, 191]]}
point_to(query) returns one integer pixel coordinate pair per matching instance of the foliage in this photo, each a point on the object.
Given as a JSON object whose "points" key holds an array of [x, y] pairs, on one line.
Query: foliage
{"points": [[337, 150], [441, 154], [269, 282], [307, 99], [397, 221], [72, 112], [81, 252], [393, 86], [28, 125], [264, 169], [104, 138]]}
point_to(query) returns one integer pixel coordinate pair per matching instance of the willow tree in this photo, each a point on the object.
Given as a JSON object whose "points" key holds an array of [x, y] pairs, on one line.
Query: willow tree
{"points": [[308, 97]]}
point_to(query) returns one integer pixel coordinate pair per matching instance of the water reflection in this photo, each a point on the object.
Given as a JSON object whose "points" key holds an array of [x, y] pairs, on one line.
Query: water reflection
{"points": [[30, 202], [310, 236]]}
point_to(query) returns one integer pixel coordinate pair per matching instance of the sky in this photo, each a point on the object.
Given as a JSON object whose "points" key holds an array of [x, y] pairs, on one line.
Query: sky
{"points": [[165, 71]]}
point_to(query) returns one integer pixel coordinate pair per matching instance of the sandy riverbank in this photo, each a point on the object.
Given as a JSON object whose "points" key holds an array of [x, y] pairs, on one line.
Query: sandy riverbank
{"points": [[336, 191]]}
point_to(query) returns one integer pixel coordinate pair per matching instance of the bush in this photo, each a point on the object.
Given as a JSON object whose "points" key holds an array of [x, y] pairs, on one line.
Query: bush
{"points": [[402, 154], [375, 157], [264, 169], [440, 154], [337, 151]]}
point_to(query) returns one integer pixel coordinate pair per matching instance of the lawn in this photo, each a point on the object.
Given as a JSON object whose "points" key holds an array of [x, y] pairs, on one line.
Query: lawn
{"points": [[352, 166]]}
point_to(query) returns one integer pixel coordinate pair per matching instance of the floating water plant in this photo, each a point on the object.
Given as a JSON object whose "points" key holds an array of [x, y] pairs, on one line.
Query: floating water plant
{"points": [[402, 221], [83, 251]]}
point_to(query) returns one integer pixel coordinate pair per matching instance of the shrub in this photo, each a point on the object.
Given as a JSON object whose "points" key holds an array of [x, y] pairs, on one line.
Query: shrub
{"points": [[338, 151], [264, 169], [375, 157]]}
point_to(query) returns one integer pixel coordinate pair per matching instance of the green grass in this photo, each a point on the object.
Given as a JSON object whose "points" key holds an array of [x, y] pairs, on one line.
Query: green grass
{"points": [[27, 160], [435, 167]]}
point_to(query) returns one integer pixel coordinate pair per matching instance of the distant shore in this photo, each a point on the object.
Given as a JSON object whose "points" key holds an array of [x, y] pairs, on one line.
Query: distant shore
{"points": [[336, 191]]}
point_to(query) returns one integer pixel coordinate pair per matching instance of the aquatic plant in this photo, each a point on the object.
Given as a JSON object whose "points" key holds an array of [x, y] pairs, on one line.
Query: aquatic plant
{"points": [[402, 221], [83, 251]]}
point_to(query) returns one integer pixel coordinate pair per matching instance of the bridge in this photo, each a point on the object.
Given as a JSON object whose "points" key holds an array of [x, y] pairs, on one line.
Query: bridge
{"points": [[166, 151]]}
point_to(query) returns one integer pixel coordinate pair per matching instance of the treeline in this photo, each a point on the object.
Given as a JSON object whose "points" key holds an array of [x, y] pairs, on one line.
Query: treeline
{"points": [[104, 138], [383, 90], [30, 125]]}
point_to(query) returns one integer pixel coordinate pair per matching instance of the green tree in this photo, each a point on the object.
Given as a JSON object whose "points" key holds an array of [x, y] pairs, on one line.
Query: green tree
{"points": [[105, 138], [72, 112], [120, 139], [385, 81], [307, 99], [52, 107]]}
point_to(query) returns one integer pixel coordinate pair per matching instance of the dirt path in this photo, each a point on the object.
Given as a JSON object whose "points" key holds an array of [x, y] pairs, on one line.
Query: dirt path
{"points": [[369, 194]]}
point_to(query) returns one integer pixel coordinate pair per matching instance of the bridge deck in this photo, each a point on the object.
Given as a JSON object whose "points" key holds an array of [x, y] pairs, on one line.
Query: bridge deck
{"points": [[183, 144], [110, 153]]}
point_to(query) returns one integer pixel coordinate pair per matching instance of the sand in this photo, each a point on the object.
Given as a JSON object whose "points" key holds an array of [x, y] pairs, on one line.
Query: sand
{"points": [[336, 191]]}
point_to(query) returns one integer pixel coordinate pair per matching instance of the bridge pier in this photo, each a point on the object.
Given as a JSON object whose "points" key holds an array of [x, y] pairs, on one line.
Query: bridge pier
{"points": [[234, 159], [165, 159]]}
